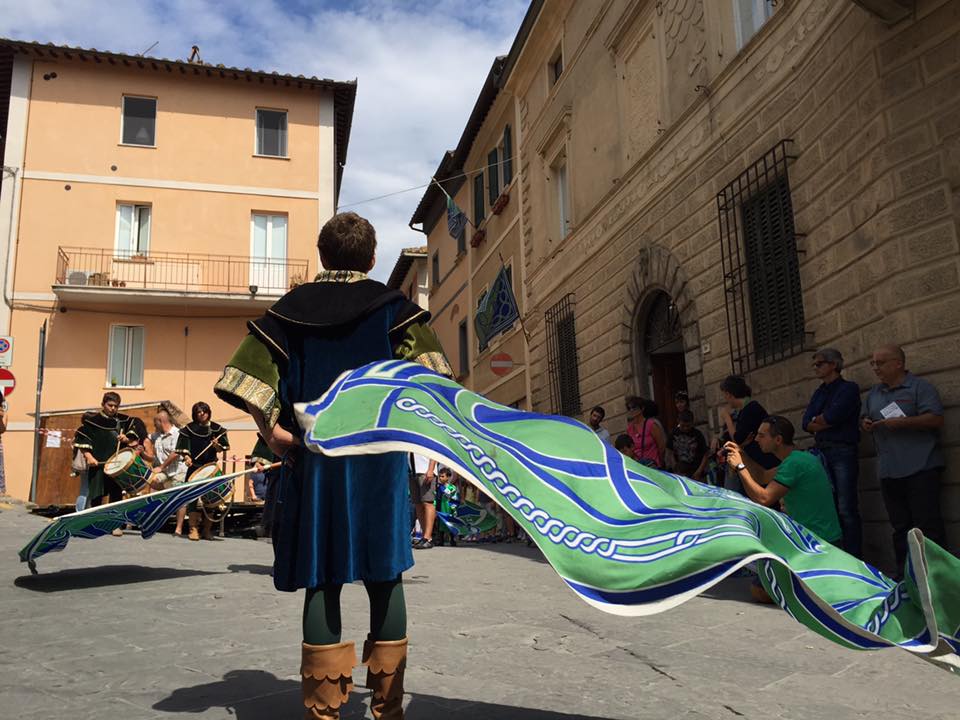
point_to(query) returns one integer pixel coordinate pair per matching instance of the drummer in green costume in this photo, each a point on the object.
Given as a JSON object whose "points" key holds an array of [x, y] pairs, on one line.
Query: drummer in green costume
{"points": [[199, 444], [99, 437]]}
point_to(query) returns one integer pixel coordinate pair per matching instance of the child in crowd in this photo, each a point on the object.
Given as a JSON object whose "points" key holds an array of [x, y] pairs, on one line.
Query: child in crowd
{"points": [[688, 447], [624, 444]]}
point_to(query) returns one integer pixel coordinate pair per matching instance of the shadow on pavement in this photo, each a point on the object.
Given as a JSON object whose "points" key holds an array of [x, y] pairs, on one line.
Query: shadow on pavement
{"points": [[732, 588], [251, 569], [259, 695], [101, 576], [517, 549]]}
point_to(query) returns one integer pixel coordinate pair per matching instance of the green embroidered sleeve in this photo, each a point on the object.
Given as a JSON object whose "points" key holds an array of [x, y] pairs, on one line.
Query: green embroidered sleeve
{"points": [[420, 345], [252, 377]]}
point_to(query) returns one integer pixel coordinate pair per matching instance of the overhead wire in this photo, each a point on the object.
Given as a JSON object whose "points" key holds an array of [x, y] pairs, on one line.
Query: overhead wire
{"points": [[464, 174]]}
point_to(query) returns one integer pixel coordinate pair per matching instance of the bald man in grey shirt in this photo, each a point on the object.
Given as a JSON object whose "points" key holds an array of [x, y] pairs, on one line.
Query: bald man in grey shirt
{"points": [[904, 414]]}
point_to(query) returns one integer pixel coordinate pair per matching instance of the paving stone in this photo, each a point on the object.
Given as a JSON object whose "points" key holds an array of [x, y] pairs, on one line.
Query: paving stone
{"points": [[121, 627]]}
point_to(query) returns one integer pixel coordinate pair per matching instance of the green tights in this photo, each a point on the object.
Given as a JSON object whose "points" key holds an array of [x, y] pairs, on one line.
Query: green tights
{"points": [[388, 612]]}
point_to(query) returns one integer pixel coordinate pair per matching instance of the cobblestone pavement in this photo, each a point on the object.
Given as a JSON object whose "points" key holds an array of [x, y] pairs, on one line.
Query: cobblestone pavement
{"points": [[128, 629]]}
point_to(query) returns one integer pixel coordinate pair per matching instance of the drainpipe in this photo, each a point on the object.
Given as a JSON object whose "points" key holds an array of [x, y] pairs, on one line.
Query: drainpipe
{"points": [[11, 172]]}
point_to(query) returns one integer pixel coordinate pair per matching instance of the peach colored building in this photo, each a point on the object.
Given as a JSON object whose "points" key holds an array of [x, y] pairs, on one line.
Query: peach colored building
{"points": [[148, 208], [480, 177], [448, 295], [409, 276]]}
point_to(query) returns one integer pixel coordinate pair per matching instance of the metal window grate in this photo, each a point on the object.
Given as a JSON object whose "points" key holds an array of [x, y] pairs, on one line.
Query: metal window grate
{"points": [[562, 364], [761, 275]]}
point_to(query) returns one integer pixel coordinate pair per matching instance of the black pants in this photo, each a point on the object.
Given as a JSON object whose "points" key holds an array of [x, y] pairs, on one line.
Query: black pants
{"points": [[913, 502]]}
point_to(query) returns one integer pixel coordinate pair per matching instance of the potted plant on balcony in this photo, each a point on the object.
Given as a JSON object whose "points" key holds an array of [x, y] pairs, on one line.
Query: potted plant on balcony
{"points": [[479, 235], [500, 203]]}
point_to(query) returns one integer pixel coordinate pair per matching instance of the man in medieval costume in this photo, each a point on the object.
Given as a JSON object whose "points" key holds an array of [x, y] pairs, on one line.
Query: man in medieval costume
{"points": [[199, 443], [100, 435], [338, 519]]}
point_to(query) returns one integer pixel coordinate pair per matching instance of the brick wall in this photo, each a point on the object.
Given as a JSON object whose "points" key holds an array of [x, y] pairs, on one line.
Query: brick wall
{"points": [[874, 113]]}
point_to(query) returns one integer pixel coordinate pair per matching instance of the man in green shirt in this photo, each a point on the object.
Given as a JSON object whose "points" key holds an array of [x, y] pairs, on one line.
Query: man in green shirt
{"points": [[799, 482]]}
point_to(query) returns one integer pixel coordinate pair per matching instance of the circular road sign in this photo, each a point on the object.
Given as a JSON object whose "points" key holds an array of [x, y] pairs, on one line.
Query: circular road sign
{"points": [[7, 381], [501, 364]]}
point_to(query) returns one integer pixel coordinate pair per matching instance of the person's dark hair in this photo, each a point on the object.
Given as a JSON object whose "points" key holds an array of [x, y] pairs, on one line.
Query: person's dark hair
{"points": [[650, 409], [445, 471], [736, 386], [623, 442], [348, 242], [110, 397], [599, 409], [685, 416], [199, 408], [780, 427], [681, 395], [634, 403]]}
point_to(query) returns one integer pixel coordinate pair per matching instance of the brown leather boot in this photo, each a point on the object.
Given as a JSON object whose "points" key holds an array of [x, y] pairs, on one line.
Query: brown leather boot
{"points": [[207, 528], [193, 520], [326, 675], [386, 661]]}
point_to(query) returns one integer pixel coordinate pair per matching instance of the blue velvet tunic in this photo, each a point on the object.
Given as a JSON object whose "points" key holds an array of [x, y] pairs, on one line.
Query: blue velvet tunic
{"points": [[336, 520], [339, 519]]}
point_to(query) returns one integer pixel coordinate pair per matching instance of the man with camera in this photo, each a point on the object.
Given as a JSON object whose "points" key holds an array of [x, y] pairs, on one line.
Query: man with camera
{"points": [[800, 484]]}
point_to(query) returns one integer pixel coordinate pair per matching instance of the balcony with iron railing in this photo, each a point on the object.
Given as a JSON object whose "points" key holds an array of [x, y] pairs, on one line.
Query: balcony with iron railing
{"points": [[105, 275]]}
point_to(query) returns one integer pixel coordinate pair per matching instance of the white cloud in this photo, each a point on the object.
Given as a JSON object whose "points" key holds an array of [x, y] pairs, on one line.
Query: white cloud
{"points": [[419, 65]]}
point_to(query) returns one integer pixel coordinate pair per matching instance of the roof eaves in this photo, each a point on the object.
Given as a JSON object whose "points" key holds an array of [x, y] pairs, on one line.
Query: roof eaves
{"points": [[452, 163]]}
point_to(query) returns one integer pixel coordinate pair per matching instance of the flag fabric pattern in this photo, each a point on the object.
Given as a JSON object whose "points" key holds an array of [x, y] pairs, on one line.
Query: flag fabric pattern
{"points": [[148, 512], [628, 539], [456, 219], [467, 519], [498, 309]]}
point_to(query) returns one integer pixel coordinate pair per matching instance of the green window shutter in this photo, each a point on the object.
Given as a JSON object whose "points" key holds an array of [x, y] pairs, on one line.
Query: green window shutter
{"points": [[507, 156], [493, 176], [478, 200]]}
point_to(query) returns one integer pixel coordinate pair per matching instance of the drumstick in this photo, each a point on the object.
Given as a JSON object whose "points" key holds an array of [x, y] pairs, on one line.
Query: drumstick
{"points": [[236, 474], [210, 444]]}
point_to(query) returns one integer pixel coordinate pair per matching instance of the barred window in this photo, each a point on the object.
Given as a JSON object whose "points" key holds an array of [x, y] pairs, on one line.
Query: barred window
{"points": [[761, 269], [562, 357]]}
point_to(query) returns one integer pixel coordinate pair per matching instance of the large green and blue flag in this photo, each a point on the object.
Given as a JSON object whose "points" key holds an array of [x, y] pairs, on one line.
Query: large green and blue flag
{"points": [[628, 539]]}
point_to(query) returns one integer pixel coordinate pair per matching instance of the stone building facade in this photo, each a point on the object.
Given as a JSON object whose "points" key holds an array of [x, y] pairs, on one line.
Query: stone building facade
{"points": [[656, 143], [480, 176]]}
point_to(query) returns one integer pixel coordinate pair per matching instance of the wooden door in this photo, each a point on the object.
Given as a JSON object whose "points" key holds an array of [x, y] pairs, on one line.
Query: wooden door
{"points": [[668, 374]]}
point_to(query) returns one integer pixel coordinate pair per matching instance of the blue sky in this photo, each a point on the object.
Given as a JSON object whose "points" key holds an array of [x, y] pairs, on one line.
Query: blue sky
{"points": [[419, 65]]}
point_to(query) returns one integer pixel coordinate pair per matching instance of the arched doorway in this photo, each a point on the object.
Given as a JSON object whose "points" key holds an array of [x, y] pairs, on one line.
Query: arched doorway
{"points": [[661, 370]]}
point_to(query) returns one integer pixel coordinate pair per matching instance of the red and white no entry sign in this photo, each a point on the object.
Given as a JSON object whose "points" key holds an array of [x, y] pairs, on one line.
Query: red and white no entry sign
{"points": [[7, 381], [501, 363]]}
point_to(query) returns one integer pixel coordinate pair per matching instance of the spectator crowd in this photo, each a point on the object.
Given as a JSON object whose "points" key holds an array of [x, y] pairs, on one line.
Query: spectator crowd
{"points": [[754, 452]]}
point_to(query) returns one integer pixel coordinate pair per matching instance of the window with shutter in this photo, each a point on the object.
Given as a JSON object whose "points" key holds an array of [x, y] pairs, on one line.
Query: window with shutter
{"points": [[761, 269], [493, 176], [507, 156], [562, 366], [477, 200]]}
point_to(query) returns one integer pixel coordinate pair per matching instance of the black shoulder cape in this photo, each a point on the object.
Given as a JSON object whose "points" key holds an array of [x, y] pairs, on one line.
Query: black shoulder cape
{"points": [[327, 306]]}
